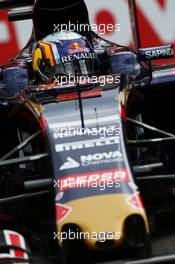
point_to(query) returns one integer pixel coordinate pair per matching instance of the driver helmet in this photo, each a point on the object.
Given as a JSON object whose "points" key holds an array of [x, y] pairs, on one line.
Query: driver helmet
{"points": [[63, 53]]}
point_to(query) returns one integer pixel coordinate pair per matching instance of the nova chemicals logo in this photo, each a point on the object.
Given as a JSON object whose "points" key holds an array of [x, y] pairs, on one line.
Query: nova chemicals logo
{"points": [[92, 159], [69, 164]]}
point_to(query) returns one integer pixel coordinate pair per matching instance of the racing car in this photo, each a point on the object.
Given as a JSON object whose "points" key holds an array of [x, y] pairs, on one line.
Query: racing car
{"points": [[87, 154]]}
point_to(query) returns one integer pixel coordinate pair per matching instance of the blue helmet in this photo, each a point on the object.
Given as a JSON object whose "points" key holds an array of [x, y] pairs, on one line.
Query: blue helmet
{"points": [[64, 53]]}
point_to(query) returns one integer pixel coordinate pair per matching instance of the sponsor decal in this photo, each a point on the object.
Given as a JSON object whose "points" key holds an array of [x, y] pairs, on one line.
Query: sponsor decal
{"points": [[78, 56], [62, 211], [98, 158], [136, 200], [59, 196], [77, 47], [92, 159], [77, 145], [91, 179], [70, 164], [157, 53]]}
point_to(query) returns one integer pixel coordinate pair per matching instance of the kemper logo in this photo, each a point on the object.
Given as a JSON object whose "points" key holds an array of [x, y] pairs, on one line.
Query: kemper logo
{"points": [[86, 180], [87, 144], [69, 164]]}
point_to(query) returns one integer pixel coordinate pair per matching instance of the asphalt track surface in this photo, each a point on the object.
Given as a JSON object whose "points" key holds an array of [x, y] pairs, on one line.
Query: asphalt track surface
{"points": [[162, 243]]}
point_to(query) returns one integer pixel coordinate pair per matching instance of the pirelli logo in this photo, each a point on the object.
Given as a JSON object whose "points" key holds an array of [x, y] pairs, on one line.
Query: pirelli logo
{"points": [[86, 144]]}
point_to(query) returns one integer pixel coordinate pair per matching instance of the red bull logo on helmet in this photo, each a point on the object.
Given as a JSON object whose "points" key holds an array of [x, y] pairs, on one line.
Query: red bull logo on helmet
{"points": [[77, 47]]}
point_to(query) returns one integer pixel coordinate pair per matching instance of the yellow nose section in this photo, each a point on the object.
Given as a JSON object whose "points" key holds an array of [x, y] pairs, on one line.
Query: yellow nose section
{"points": [[102, 218]]}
